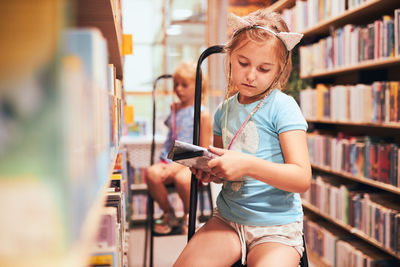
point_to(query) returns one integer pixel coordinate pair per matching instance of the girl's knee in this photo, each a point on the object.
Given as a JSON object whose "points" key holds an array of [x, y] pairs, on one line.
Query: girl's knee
{"points": [[153, 174], [183, 177]]}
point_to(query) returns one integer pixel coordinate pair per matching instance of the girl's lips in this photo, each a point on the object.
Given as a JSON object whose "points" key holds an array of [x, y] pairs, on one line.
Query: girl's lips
{"points": [[248, 85]]}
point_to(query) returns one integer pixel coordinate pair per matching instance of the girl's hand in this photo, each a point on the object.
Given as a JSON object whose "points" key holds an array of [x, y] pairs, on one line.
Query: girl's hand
{"points": [[229, 166], [205, 177]]}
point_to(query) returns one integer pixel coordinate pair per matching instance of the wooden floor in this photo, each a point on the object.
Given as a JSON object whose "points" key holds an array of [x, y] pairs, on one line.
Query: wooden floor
{"points": [[166, 249]]}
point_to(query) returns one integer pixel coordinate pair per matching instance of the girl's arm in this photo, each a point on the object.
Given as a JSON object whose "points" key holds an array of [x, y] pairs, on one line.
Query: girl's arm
{"points": [[294, 175], [205, 129]]}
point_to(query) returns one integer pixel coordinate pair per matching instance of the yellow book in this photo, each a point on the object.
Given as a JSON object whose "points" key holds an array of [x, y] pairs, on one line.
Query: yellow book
{"points": [[103, 260], [321, 89], [116, 176], [127, 44], [129, 114], [394, 91]]}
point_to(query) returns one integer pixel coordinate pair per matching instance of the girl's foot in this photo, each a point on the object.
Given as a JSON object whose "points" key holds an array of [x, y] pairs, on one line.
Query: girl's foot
{"points": [[165, 224]]}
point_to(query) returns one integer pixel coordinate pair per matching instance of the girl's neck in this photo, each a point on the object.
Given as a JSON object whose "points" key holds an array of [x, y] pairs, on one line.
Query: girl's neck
{"points": [[181, 105], [252, 99]]}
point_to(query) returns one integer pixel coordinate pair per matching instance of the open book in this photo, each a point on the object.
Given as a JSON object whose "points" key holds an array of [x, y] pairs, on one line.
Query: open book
{"points": [[191, 155]]}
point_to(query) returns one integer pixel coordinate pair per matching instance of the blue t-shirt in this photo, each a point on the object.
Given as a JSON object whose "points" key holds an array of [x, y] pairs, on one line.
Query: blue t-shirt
{"points": [[257, 203]]}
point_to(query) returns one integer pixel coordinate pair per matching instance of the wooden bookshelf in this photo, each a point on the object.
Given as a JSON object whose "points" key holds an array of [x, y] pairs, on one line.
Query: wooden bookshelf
{"points": [[388, 125], [139, 187], [370, 182], [281, 4], [365, 10], [350, 229], [363, 14], [365, 65], [316, 260], [101, 14]]}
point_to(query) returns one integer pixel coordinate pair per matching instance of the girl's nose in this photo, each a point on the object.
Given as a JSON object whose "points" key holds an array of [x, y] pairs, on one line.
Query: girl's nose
{"points": [[251, 75]]}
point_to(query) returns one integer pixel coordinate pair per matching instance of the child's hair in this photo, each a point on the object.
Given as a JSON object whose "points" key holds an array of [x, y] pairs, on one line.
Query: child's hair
{"points": [[187, 71], [269, 20]]}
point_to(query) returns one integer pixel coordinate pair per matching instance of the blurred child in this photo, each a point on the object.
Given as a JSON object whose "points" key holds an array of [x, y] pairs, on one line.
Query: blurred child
{"points": [[180, 127], [260, 135]]}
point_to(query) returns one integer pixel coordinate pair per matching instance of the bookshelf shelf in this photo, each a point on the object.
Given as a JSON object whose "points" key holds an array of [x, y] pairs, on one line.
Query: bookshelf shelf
{"points": [[350, 229], [139, 187], [102, 14], [281, 4], [389, 125], [366, 181], [366, 9], [316, 259], [370, 64]]}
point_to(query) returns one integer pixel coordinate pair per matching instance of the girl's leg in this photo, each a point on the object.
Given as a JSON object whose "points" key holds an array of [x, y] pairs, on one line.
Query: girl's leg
{"points": [[214, 244], [156, 186], [273, 254], [182, 182]]}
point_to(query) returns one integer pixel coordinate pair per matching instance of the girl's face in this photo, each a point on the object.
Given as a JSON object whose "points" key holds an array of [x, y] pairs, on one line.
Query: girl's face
{"points": [[185, 90], [254, 69]]}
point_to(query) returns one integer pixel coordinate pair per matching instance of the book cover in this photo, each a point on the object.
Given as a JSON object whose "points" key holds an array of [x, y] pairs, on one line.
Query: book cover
{"points": [[383, 163], [397, 32], [191, 155]]}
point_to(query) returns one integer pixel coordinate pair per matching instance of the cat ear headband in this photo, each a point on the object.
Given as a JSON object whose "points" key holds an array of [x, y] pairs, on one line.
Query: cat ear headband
{"points": [[289, 39]]}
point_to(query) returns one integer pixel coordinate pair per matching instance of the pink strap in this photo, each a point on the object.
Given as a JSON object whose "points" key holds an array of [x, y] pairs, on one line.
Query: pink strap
{"points": [[245, 121]]}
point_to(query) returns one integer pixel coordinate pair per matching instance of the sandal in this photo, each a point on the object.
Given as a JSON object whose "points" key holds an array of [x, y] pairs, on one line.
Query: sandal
{"points": [[166, 224]]}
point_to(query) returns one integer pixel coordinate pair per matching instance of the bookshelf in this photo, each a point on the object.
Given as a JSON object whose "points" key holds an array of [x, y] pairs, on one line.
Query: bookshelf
{"points": [[281, 4], [366, 65], [106, 16], [363, 71], [57, 163]]}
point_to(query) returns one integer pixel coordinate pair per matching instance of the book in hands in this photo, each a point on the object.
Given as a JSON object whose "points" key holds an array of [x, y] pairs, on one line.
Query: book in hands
{"points": [[191, 155]]}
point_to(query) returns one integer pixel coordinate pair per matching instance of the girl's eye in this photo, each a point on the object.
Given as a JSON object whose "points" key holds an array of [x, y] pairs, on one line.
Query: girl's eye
{"points": [[264, 70], [243, 64]]}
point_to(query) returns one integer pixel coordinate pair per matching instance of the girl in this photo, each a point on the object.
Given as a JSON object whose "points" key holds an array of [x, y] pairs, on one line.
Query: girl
{"points": [[264, 164], [180, 124]]}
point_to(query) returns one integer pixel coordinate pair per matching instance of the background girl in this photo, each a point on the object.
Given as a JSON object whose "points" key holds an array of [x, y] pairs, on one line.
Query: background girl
{"points": [[260, 135], [180, 127]]}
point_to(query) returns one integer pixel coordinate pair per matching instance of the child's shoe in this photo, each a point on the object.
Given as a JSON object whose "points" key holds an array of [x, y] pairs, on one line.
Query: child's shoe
{"points": [[166, 224]]}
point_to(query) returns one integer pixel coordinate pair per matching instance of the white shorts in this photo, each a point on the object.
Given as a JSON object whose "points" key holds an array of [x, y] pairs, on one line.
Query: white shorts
{"points": [[289, 234]]}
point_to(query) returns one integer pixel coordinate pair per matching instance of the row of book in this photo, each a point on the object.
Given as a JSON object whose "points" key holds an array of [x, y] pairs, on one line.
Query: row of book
{"points": [[111, 247], [138, 176], [92, 112], [351, 45], [377, 215], [377, 103], [307, 14], [359, 156], [338, 249]]}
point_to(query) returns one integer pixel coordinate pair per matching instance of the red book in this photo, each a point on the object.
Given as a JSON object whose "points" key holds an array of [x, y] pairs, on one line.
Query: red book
{"points": [[384, 163]]}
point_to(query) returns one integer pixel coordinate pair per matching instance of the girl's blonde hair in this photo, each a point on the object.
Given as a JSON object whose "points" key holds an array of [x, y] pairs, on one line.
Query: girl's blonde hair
{"points": [[187, 71], [269, 20]]}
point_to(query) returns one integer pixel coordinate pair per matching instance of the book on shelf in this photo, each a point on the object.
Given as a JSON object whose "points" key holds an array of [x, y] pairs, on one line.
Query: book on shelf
{"points": [[377, 103], [191, 155], [350, 45], [397, 32], [361, 156]]}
